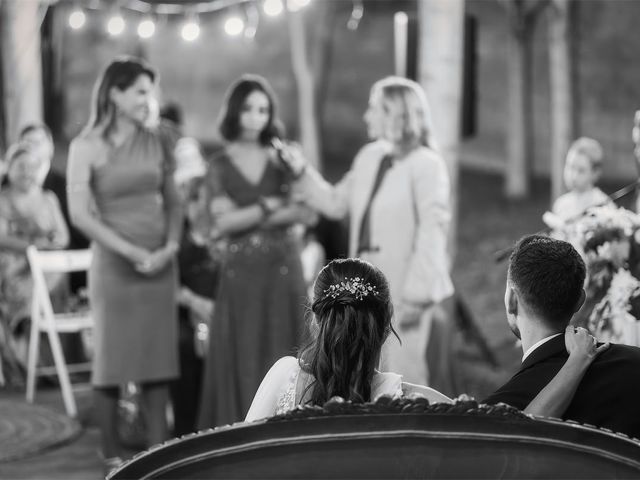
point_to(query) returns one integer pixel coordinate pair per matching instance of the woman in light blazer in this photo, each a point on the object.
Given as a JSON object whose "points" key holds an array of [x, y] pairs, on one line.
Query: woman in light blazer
{"points": [[397, 196]]}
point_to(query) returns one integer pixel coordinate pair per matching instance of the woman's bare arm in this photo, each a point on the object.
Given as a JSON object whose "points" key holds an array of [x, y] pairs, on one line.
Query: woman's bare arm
{"points": [[82, 155], [553, 400]]}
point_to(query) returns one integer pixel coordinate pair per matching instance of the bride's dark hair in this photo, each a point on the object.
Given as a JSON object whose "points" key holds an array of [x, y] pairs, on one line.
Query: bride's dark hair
{"points": [[351, 320]]}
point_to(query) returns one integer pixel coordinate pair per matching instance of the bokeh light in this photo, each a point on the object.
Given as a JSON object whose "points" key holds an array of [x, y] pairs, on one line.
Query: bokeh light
{"points": [[272, 7], [234, 26], [77, 19], [115, 25], [146, 28], [190, 30]]}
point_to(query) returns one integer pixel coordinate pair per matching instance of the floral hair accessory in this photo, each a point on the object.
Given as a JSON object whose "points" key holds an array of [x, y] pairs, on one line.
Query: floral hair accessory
{"points": [[354, 285]]}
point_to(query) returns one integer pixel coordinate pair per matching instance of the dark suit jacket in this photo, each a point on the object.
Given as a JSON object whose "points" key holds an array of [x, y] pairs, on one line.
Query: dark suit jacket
{"points": [[608, 396]]}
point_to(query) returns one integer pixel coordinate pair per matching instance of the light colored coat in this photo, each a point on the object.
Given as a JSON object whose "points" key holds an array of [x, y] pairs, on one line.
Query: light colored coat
{"points": [[409, 218]]}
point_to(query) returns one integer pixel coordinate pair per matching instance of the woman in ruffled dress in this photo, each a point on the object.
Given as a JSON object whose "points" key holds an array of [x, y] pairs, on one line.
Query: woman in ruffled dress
{"points": [[259, 314]]}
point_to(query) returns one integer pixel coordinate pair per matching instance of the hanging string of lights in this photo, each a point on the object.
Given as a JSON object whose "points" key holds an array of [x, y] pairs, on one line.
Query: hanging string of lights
{"points": [[243, 16], [242, 19]]}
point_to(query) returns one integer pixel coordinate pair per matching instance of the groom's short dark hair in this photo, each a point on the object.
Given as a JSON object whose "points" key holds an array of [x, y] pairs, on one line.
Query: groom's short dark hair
{"points": [[548, 275]]}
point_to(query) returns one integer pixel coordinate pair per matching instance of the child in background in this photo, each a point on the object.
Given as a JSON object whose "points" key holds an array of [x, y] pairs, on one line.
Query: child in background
{"points": [[582, 171]]}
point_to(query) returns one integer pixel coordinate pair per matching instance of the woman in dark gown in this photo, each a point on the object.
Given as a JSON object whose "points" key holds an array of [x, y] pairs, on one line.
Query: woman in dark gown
{"points": [[259, 314]]}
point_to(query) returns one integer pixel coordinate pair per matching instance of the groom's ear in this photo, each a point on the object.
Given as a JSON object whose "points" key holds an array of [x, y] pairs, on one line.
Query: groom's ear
{"points": [[511, 301], [580, 302]]}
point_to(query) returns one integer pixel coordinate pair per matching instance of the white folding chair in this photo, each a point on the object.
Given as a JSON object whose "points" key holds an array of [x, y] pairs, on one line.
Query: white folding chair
{"points": [[43, 319]]}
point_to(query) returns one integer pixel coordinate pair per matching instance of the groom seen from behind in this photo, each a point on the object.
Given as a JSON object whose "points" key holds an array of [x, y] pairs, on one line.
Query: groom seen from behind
{"points": [[544, 289]]}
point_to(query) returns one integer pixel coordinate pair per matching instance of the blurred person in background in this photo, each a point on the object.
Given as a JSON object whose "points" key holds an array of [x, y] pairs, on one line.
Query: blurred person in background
{"points": [[38, 135], [397, 197], [29, 215], [260, 303], [198, 285], [124, 165]]}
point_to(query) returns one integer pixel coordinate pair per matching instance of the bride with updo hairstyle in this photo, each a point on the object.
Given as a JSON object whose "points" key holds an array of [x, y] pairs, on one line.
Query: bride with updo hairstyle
{"points": [[350, 321]]}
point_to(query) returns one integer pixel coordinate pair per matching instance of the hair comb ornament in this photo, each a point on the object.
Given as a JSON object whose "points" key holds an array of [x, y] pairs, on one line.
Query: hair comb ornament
{"points": [[354, 286]]}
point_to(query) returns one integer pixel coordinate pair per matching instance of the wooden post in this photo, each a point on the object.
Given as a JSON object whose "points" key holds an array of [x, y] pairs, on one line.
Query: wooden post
{"points": [[519, 119], [321, 59], [440, 49], [440, 67], [560, 73], [21, 64]]}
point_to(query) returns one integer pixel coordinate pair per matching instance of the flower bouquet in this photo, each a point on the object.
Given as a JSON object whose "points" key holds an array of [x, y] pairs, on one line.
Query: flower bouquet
{"points": [[608, 238]]}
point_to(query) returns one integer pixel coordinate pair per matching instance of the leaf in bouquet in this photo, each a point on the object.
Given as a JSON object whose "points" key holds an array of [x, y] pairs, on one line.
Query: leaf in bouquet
{"points": [[619, 252], [633, 262], [634, 307], [601, 236], [624, 287], [599, 318], [599, 276]]}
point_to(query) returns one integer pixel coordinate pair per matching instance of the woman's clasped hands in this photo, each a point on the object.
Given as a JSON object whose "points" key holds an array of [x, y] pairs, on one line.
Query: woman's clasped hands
{"points": [[149, 263]]}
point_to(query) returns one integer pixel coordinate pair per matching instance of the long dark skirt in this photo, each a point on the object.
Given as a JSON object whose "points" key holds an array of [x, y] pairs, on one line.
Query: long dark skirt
{"points": [[259, 317]]}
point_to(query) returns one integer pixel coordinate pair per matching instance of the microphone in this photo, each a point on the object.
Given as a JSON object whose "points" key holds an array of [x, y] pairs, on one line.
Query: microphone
{"points": [[282, 155]]}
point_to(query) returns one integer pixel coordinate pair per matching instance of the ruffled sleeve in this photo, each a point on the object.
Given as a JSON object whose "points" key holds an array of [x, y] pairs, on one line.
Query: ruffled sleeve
{"points": [[386, 383]]}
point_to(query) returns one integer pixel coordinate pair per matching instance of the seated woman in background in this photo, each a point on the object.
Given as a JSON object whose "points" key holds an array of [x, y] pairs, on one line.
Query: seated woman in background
{"points": [[29, 215], [351, 320]]}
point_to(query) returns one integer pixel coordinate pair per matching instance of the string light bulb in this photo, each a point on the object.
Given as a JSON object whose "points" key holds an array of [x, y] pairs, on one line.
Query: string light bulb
{"points": [[253, 19], [115, 25], [295, 5], [77, 18], [191, 29], [356, 15], [272, 7], [146, 28], [234, 25]]}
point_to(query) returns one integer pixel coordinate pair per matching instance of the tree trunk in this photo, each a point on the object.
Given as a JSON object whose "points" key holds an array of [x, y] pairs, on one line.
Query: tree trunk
{"points": [[323, 56], [21, 64], [305, 86], [518, 155], [521, 17], [519, 119], [440, 51], [560, 72], [440, 47]]}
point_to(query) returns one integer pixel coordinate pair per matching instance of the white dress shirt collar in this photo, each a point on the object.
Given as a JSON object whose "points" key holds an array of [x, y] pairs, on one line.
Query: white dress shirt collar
{"points": [[538, 344]]}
